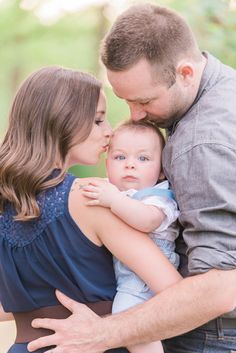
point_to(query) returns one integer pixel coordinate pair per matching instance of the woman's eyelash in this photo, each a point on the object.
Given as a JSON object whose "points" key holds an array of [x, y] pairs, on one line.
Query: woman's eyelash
{"points": [[98, 121]]}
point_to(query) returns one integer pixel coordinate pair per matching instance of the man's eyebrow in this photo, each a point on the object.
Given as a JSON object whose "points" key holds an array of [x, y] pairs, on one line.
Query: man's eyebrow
{"points": [[138, 99], [147, 99]]}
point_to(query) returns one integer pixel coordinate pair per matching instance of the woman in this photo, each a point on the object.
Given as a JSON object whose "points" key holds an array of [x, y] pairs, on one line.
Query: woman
{"points": [[49, 238]]}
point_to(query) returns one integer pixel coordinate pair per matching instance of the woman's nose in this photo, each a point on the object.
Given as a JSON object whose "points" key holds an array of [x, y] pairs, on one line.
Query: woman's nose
{"points": [[108, 130]]}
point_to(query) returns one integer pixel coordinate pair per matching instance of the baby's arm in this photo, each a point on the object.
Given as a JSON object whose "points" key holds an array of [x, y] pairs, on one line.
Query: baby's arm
{"points": [[133, 212]]}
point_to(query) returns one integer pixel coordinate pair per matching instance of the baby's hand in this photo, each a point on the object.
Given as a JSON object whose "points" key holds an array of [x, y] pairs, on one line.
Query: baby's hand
{"points": [[101, 193]]}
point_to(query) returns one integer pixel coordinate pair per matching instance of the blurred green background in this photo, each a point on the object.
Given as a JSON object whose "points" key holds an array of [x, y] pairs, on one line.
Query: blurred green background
{"points": [[35, 33]]}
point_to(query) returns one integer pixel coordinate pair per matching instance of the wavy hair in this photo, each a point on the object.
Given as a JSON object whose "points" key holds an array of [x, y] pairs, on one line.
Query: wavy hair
{"points": [[53, 107]]}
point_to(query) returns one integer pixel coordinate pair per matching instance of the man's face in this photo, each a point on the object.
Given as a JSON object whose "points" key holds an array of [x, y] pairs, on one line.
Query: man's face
{"points": [[146, 97]]}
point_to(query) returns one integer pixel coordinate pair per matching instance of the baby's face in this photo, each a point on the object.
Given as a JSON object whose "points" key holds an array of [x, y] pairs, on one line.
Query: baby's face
{"points": [[134, 159]]}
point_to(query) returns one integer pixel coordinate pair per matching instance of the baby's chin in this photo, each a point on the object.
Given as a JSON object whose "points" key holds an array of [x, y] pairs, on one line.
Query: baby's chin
{"points": [[127, 185]]}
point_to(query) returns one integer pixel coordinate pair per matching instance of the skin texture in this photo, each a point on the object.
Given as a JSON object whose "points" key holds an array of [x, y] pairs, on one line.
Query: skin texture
{"points": [[136, 154], [5, 316], [103, 228], [148, 98], [90, 150], [140, 324], [133, 162], [133, 212], [180, 308]]}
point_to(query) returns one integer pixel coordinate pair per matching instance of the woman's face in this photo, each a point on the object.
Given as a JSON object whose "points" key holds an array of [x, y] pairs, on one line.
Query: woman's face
{"points": [[89, 151]]}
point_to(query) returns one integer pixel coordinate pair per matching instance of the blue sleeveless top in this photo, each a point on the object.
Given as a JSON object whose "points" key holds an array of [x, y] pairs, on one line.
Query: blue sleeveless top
{"points": [[50, 252]]}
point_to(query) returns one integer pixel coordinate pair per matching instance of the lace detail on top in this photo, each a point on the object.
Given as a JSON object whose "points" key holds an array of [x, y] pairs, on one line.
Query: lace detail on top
{"points": [[19, 233]]}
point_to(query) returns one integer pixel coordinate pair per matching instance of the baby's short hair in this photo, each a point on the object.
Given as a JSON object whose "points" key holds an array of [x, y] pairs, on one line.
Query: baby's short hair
{"points": [[140, 125]]}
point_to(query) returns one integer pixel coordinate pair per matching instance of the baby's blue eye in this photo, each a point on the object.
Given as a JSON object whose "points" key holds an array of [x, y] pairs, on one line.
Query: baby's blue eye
{"points": [[119, 157], [143, 158]]}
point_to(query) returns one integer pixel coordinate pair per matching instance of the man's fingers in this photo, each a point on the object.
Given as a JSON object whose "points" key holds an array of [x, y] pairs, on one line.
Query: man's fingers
{"points": [[69, 303], [51, 324], [42, 341]]}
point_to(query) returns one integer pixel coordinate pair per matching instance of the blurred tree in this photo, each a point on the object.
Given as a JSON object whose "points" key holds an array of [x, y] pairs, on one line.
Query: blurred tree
{"points": [[27, 43]]}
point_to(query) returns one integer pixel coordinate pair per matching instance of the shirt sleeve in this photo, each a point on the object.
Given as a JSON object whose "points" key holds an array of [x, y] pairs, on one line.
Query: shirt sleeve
{"points": [[167, 205], [205, 189]]}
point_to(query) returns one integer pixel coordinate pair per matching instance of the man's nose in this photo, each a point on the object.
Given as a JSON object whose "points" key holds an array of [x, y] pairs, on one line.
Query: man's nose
{"points": [[136, 112]]}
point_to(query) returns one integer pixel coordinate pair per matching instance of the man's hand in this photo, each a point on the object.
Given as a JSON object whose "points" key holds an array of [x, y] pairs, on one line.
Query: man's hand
{"points": [[74, 334], [101, 192]]}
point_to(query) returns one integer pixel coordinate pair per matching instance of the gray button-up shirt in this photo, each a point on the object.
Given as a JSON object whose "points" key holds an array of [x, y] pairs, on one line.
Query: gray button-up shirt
{"points": [[199, 160]]}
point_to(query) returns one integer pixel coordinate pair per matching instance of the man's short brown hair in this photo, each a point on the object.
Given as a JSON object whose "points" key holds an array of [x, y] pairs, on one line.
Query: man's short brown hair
{"points": [[149, 32]]}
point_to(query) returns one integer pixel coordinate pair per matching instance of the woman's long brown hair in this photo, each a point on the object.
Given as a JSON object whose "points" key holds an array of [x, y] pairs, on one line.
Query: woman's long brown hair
{"points": [[53, 107]]}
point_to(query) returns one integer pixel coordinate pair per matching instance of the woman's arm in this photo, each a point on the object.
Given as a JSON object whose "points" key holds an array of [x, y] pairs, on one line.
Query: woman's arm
{"points": [[5, 316], [136, 250], [133, 212], [129, 245], [180, 308]]}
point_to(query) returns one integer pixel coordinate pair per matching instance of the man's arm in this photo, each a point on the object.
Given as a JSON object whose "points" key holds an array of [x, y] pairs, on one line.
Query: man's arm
{"points": [[178, 309], [135, 213]]}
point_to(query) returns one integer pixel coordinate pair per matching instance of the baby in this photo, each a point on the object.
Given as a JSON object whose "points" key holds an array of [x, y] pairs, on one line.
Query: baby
{"points": [[138, 193]]}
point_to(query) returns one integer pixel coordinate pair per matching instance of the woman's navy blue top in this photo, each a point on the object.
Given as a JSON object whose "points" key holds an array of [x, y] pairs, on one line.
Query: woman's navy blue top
{"points": [[50, 252]]}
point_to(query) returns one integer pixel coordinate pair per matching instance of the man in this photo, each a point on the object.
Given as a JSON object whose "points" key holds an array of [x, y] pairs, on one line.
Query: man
{"points": [[154, 63]]}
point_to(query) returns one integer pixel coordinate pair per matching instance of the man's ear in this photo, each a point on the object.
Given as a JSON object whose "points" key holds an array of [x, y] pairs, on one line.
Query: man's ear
{"points": [[185, 71]]}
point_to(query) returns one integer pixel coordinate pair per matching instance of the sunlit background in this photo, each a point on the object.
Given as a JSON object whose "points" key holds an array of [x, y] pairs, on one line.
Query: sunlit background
{"points": [[35, 33]]}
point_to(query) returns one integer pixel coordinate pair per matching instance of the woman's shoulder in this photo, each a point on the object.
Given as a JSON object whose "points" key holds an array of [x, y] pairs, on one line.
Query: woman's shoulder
{"points": [[88, 218], [79, 183]]}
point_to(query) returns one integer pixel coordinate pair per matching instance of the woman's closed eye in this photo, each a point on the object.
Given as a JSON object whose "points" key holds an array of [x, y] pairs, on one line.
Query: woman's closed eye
{"points": [[99, 121]]}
